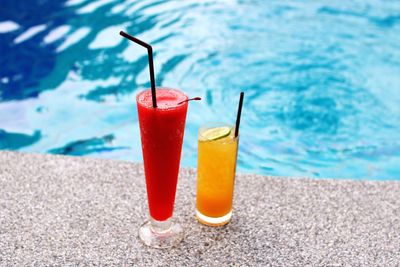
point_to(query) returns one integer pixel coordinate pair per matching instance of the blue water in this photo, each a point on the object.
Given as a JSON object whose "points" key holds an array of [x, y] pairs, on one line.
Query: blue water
{"points": [[322, 79]]}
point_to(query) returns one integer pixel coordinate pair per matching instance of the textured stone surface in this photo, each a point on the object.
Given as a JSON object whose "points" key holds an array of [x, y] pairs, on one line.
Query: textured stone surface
{"points": [[66, 211]]}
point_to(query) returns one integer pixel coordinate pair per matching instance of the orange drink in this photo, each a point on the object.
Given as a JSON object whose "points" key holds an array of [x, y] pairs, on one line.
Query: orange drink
{"points": [[217, 153]]}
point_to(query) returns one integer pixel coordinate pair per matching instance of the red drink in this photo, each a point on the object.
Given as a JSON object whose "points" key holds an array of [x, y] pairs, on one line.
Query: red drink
{"points": [[161, 131]]}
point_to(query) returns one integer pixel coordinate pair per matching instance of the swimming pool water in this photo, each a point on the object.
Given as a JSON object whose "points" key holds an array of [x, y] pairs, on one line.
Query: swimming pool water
{"points": [[322, 79]]}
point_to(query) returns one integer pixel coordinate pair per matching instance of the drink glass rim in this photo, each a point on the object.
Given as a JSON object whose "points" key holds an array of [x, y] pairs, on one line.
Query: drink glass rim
{"points": [[179, 91]]}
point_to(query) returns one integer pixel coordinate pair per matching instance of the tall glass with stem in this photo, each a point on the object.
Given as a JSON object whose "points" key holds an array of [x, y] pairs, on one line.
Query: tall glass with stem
{"points": [[161, 130], [162, 116]]}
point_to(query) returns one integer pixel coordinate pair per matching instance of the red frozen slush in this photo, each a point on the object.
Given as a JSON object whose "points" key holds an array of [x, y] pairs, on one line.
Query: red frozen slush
{"points": [[161, 130]]}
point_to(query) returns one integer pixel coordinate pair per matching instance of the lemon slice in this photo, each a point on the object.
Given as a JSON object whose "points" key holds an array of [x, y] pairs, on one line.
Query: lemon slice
{"points": [[216, 133]]}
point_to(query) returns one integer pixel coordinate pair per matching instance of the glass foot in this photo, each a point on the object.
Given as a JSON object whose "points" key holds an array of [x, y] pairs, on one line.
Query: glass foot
{"points": [[213, 221], [161, 234]]}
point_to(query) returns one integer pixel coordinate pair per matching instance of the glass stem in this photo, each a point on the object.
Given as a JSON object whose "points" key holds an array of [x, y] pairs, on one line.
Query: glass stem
{"points": [[161, 227]]}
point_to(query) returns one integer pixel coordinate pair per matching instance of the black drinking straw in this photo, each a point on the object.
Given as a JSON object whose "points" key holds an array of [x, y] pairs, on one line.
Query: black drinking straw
{"points": [[239, 114], [151, 65]]}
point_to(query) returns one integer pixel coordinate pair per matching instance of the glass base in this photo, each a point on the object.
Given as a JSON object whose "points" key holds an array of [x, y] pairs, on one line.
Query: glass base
{"points": [[213, 221], [161, 234]]}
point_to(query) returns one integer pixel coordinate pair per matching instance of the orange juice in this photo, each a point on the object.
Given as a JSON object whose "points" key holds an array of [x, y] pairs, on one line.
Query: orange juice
{"points": [[217, 153]]}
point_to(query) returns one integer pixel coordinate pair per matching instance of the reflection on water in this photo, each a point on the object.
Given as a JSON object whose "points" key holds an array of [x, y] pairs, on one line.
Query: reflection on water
{"points": [[321, 79], [25, 60]]}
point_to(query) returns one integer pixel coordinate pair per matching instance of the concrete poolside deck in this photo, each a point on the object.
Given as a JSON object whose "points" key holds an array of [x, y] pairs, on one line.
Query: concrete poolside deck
{"points": [[57, 210]]}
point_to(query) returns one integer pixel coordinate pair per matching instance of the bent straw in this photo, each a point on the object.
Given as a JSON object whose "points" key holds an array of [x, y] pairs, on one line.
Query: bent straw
{"points": [[239, 114], [151, 65]]}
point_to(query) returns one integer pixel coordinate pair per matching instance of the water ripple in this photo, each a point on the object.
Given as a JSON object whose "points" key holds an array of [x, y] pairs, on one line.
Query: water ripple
{"points": [[88, 146], [14, 141]]}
